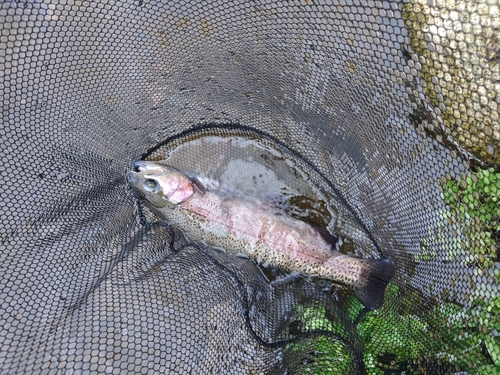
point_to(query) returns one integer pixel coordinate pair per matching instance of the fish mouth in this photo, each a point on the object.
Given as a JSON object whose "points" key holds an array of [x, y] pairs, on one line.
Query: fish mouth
{"points": [[132, 178], [143, 165], [141, 169], [136, 174]]}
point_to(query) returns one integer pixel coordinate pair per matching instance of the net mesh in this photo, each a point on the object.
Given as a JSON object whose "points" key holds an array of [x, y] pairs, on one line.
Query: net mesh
{"points": [[390, 107]]}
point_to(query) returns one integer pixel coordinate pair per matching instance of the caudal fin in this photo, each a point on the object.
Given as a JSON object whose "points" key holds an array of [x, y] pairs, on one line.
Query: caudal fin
{"points": [[370, 290]]}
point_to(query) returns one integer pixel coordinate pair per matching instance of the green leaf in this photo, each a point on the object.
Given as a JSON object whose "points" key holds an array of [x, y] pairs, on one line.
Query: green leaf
{"points": [[492, 344]]}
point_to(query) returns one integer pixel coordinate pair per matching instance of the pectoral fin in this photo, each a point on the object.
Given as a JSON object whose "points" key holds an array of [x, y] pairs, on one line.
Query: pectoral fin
{"points": [[197, 183]]}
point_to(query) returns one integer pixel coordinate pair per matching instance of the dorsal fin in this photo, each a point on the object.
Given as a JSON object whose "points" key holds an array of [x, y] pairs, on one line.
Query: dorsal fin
{"points": [[328, 237], [275, 202]]}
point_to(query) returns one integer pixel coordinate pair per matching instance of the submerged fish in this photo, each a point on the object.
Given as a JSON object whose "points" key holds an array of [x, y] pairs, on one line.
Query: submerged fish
{"points": [[241, 224]]}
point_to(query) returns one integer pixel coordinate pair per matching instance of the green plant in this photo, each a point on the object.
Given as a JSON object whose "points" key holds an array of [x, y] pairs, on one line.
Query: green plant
{"points": [[442, 235], [322, 354], [462, 337], [469, 232], [469, 337], [465, 338], [314, 318], [389, 336], [474, 201]]}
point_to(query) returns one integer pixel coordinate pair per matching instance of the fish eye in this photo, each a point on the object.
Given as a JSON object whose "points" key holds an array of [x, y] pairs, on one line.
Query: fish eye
{"points": [[150, 184], [321, 283]]}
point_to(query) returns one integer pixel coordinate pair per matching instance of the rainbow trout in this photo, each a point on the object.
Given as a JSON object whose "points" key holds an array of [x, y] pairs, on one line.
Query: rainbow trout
{"points": [[241, 224]]}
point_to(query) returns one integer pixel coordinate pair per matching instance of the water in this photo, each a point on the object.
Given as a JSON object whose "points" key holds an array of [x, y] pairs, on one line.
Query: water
{"points": [[257, 168]]}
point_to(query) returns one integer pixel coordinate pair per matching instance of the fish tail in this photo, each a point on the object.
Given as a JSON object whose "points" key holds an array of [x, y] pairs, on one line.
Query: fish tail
{"points": [[370, 287]]}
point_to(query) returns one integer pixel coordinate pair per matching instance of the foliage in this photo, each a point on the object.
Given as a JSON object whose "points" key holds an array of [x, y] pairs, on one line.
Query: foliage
{"points": [[464, 338], [389, 337], [475, 199], [313, 318], [438, 240], [322, 354], [469, 337]]}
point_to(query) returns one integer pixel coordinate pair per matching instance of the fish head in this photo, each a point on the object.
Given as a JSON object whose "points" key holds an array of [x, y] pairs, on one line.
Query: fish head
{"points": [[160, 185]]}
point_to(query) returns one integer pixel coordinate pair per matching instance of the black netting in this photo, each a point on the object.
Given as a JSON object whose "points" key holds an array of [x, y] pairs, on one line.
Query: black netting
{"points": [[385, 112]]}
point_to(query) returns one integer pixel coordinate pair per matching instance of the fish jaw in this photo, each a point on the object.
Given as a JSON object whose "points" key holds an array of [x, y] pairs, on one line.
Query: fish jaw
{"points": [[160, 185]]}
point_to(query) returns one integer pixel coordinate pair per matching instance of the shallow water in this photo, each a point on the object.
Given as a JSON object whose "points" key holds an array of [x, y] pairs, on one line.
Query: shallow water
{"points": [[257, 168]]}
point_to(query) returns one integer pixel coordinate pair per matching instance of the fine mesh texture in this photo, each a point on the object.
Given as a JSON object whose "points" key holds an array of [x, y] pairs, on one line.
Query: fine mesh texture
{"points": [[392, 105]]}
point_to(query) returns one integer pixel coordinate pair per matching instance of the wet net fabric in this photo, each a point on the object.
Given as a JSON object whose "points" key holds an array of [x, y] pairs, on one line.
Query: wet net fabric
{"points": [[393, 105]]}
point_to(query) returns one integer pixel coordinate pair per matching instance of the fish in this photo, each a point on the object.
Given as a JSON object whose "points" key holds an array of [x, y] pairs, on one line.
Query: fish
{"points": [[221, 217]]}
